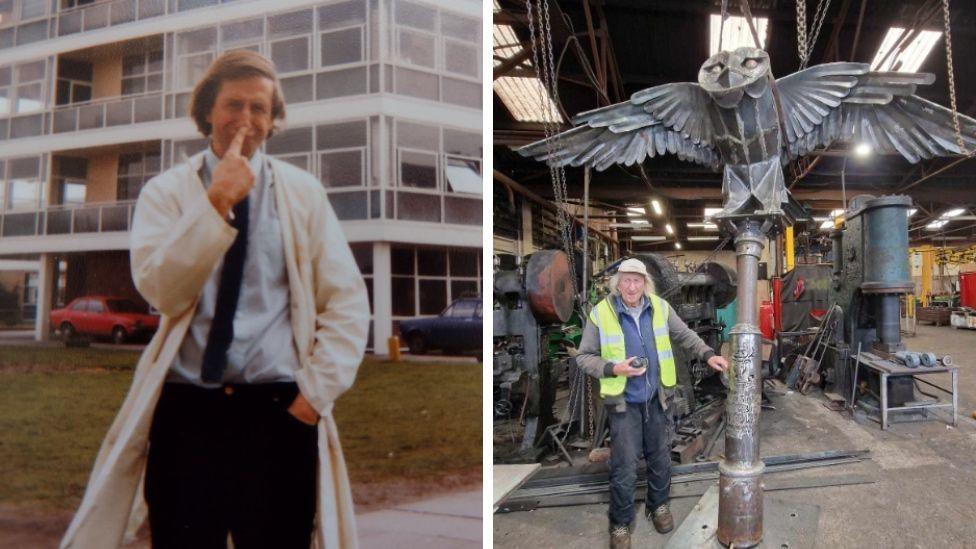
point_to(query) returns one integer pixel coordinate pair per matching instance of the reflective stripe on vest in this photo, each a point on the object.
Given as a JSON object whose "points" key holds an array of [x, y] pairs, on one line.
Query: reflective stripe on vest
{"points": [[612, 348]]}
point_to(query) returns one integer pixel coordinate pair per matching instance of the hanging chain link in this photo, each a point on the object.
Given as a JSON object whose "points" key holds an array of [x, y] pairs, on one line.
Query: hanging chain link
{"points": [[538, 14], [589, 401], [805, 44], [721, 27], [801, 29], [952, 80]]}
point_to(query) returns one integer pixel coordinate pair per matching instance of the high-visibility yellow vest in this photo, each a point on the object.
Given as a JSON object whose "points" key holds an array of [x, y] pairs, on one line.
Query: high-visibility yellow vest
{"points": [[612, 346]]}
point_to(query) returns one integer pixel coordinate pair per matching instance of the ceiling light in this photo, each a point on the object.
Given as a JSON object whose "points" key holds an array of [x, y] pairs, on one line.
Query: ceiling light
{"points": [[701, 238], [826, 225], [642, 225], [820, 219], [706, 226], [862, 150], [735, 33], [677, 245], [911, 56], [912, 212], [657, 238], [669, 228], [952, 213], [936, 225], [709, 212], [632, 211], [656, 206]]}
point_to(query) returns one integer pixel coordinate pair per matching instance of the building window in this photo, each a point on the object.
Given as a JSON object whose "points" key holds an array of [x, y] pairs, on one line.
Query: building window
{"points": [[418, 169], [342, 35], [22, 88], [74, 81], [427, 279], [294, 145], [195, 51], [23, 184], [135, 170], [241, 34], [6, 92], [142, 73]]}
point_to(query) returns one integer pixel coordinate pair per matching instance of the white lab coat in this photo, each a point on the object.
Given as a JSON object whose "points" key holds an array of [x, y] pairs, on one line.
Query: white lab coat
{"points": [[177, 240]]}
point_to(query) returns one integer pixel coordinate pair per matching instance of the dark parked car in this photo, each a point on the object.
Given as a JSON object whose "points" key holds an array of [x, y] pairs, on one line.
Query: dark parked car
{"points": [[119, 318], [455, 330]]}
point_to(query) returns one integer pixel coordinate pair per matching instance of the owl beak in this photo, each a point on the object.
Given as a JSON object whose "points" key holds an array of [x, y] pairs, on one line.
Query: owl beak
{"points": [[723, 77], [729, 78]]}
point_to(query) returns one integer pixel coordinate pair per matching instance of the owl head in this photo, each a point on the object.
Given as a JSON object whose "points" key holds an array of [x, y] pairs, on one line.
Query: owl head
{"points": [[728, 74]]}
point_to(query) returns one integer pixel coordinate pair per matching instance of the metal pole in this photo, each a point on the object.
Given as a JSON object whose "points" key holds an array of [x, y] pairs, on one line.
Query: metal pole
{"points": [[740, 505], [586, 227]]}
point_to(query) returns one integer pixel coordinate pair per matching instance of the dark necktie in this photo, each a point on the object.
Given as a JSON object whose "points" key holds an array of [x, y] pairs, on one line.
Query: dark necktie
{"points": [[222, 328]]}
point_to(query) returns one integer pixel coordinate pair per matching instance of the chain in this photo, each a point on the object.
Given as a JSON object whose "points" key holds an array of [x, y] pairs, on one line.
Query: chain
{"points": [[801, 30], [589, 403], [952, 79], [545, 67], [803, 44], [721, 27]]}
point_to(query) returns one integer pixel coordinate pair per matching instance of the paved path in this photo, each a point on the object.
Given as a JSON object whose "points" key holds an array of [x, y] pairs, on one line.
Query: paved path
{"points": [[452, 521]]}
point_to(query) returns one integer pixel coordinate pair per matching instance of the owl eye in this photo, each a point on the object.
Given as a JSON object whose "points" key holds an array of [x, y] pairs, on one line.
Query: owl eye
{"points": [[750, 63]]}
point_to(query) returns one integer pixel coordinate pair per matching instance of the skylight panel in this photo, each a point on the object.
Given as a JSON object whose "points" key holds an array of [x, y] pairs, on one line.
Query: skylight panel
{"points": [[736, 33], [910, 58]]}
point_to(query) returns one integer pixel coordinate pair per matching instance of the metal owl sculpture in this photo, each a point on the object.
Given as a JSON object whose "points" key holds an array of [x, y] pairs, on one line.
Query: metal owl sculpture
{"points": [[729, 119]]}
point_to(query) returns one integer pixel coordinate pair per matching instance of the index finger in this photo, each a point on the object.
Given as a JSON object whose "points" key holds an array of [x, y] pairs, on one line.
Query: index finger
{"points": [[238, 142]]}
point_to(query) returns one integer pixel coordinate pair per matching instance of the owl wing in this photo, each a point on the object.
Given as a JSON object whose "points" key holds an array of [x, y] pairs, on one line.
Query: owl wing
{"points": [[672, 118], [849, 102]]}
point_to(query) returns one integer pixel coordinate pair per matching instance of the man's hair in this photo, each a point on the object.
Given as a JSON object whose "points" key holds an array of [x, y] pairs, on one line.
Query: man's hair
{"points": [[235, 65], [615, 283]]}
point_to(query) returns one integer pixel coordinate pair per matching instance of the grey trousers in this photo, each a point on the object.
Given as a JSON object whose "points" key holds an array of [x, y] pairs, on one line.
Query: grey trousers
{"points": [[642, 430]]}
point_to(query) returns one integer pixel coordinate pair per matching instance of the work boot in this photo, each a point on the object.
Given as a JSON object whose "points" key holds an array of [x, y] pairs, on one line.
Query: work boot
{"points": [[620, 536], [661, 517]]}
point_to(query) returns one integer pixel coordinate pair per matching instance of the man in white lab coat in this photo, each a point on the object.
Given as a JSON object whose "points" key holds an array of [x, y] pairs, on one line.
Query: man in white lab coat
{"points": [[265, 318]]}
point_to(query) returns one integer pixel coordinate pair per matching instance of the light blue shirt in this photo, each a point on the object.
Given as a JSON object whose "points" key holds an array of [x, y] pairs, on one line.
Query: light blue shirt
{"points": [[263, 349]]}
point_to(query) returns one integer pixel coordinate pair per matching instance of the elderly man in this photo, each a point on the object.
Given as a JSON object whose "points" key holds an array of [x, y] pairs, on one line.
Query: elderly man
{"points": [[632, 324], [228, 424]]}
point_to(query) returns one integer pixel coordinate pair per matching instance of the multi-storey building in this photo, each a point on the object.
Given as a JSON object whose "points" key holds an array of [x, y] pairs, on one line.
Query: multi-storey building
{"points": [[383, 105]]}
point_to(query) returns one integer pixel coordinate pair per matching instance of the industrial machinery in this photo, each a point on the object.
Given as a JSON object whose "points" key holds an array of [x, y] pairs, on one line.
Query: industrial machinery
{"points": [[531, 301], [870, 274]]}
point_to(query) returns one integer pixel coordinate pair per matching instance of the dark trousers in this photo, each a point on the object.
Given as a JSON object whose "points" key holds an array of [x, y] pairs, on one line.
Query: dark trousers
{"points": [[641, 430], [230, 460]]}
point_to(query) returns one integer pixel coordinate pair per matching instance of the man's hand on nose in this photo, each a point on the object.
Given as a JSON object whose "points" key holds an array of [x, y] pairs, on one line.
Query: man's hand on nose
{"points": [[232, 178]]}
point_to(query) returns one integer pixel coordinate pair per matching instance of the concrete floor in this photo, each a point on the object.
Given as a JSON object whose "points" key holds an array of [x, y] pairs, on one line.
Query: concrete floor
{"points": [[923, 497]]}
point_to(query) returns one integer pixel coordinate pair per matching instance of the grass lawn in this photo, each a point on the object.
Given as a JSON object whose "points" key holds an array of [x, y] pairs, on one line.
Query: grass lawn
{"points": [[400, 422]]}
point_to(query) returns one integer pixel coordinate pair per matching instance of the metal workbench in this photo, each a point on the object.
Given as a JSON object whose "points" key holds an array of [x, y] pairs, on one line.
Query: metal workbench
{"points": [[886, 368]]}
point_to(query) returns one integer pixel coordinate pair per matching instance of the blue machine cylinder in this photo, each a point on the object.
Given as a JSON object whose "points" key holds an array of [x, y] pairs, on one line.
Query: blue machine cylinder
{"points": [[885, 222]]}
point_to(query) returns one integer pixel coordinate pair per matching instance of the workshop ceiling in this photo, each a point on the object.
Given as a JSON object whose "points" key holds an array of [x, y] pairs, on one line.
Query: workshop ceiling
{"points": [[645, 43]]}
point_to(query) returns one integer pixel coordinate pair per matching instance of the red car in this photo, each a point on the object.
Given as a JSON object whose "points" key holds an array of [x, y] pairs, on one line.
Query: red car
{"points": [[119, 318]]}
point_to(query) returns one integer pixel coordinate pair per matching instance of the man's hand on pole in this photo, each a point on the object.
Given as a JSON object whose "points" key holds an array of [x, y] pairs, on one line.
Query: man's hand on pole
{"points": [[232, 178], [623, 368], [718, 363]]}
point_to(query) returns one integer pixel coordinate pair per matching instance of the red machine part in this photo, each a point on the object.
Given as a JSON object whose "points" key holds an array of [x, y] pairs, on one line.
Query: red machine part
{"points": [[778, 304], [549, 286], [766, 320], [967, 289]]}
